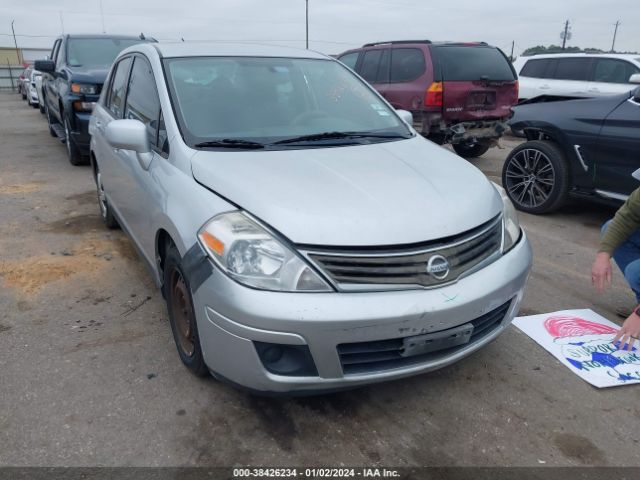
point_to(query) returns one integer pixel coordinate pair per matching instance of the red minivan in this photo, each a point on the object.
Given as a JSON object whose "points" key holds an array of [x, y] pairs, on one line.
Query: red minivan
{"points": [[458, 93]]}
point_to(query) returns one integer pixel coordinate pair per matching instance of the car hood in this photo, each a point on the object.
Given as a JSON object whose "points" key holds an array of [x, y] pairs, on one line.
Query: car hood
{"points": [[95, 75], [388, 193]]}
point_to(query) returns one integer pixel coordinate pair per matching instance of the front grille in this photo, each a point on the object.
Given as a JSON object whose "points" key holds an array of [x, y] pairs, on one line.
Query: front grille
{"points": [[380, 355], [398, 267]]}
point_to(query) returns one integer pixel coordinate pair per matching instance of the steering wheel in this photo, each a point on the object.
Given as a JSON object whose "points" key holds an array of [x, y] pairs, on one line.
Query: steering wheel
{"points": [[310, 115]]}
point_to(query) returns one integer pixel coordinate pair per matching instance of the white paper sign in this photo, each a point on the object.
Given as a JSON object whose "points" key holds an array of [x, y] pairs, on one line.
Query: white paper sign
{"points": [[581, 340]]}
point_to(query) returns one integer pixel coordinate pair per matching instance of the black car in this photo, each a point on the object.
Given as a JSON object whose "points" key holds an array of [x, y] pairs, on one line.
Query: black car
{"points": [[71, 84], [583, 148]]}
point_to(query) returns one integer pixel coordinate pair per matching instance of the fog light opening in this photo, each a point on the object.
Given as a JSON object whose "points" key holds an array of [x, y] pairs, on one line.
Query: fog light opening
{"points": [[287, 360]]}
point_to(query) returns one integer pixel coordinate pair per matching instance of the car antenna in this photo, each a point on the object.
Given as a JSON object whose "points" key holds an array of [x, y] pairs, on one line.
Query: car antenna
{"points": [[142, 37]]}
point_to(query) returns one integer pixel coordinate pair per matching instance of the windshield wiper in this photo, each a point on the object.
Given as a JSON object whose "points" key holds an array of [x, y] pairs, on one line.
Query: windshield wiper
{"points": [[338, 135], [230, 143]]}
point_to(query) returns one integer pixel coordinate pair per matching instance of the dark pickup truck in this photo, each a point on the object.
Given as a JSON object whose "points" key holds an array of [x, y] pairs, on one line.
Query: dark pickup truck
{"points": [[71, 84]]}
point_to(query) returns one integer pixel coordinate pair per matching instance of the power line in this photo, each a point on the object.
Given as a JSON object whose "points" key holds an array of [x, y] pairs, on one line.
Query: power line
{"points": [[214, 40]]}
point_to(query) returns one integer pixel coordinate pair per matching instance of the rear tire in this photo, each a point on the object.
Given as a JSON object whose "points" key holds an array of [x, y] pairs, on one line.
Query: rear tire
{"points": [[177, 293], [536, 177], [471, 150]]}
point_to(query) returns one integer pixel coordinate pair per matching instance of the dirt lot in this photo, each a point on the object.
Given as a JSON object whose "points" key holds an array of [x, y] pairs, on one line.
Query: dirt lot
{"points": [[90, 375]]}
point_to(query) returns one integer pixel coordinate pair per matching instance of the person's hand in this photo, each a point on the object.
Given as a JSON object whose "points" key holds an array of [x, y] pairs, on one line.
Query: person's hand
{"points": [[629, 333], [601, 271]]}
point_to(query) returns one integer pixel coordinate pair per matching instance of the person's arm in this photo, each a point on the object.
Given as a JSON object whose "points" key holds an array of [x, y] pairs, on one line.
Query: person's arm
{"points": [[630, 331], [601, 271], [626, 221]]}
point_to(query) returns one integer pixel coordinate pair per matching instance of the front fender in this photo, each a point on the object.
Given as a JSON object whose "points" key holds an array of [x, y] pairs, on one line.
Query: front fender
{"points": [[184, 207]]}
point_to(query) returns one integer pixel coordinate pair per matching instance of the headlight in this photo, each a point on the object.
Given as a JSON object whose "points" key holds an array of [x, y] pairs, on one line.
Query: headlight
{"points": [[84, 88], [253, 257], [510, 224]]}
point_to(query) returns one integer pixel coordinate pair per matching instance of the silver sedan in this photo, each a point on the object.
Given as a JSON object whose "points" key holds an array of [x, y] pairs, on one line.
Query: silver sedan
{"points": [[304, 236]]}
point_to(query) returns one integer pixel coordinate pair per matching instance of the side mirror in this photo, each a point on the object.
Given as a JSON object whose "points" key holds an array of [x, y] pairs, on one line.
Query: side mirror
{"points": [[47, 66], [406, 116], [130, 135], [635, 78], [636, 174]]}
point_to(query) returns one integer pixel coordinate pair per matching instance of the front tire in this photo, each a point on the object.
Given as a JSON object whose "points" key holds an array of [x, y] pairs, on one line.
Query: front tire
{"points": [[106, 213], [177, 293], [536, 177], [50, 121], [73, 153], [471, 150]]}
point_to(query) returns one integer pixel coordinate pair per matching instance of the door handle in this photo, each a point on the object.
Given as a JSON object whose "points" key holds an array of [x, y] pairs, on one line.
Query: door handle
{"points": [[544, 87], [594, 90]]}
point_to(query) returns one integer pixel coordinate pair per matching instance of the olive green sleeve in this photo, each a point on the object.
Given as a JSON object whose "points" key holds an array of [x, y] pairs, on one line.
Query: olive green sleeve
{"points": [[623, 225]]}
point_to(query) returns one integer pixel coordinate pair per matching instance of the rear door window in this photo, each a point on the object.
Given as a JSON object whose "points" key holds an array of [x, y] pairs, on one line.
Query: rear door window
{"points": [[370, 68], [383, 68], [350, 59], [115, 100], [535, 68], [468, 63], [573, 69], [407, 64], [611, 70]]}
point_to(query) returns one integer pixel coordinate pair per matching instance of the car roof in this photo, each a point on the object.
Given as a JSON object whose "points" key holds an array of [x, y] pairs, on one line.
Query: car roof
{"points": [[104, 35], [209, 49], [625, 56]]}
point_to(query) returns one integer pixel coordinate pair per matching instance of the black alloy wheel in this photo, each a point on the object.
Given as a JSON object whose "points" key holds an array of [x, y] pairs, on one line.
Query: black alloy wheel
{"points": [[536, 177]]}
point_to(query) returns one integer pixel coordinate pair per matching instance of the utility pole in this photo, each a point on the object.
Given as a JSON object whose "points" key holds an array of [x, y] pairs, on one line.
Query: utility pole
{"points": [[15, 43], [565, 34], [61, 22], [102, 18], [513, 43], [307, 23], [615, 32]]}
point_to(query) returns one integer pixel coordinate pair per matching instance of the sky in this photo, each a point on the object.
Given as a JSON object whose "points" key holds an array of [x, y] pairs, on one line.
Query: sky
{"points": [[334, 25]]}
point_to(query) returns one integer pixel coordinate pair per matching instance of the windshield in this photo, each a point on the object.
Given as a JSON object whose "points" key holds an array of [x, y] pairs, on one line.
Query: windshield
{"points": [[266, 100], [96, 52], [473, 63]]}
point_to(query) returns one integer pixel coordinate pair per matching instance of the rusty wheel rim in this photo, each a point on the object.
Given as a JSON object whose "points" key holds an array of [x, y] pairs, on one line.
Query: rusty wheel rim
{"points": [[182, 312]]}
